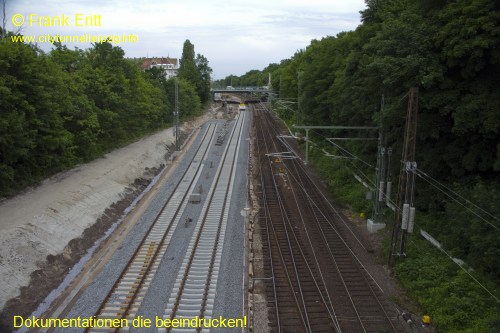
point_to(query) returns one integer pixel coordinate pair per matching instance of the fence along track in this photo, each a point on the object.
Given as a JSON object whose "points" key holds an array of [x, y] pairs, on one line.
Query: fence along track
{"points": [[125, 297], [194, 290]]}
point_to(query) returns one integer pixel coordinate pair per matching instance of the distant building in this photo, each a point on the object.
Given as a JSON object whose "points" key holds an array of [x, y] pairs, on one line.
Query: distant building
{"points": [[170, 65]]}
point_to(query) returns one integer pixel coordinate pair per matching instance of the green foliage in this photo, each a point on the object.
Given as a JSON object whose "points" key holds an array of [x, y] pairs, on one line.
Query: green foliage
{"points": [[469, 235], [189, 102], [33, 106], [70, 106], [195, 71], [450, 51], [205, 71], [443, 290], [252, 78], [339, 178]]}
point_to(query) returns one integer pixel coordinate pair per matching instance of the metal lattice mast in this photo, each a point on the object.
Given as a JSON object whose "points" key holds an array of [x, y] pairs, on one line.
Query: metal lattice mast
{"points": [[405, 210], [380, 179], [380, 183], [176, 115]]}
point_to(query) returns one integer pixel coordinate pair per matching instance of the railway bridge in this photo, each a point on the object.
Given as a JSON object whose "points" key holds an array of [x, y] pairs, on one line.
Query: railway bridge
{"points": [[248, 95]]}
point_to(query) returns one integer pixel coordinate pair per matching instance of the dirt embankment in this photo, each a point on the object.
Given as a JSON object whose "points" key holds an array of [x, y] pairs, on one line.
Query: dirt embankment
{"points": [[46, 230]]}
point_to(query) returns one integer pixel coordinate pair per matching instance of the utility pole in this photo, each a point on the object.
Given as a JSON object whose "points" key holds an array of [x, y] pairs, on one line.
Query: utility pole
{"points": [[377, 221], [299, 115], [405, 210], [176, 115]]}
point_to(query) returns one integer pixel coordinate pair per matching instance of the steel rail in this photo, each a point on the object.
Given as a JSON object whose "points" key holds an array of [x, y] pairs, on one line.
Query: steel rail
{"points": [[153, 249], [331, 308], [280, 253], [328, 302], [321, 192], [205, 239], [290, 233], [301, 303], [266, 217], [316, 209]]}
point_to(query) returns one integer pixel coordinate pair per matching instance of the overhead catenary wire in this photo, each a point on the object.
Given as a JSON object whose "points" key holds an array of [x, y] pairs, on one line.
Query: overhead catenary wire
{"points": [[458, 195], [433, 183], [366, 178], [350, 156], [301, 188], [462, 268], [450, 257], [349, 153], [441, 187]]}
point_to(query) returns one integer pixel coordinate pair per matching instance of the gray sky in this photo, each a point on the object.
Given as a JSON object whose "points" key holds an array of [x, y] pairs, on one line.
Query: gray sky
{"points": [[235, 36]]}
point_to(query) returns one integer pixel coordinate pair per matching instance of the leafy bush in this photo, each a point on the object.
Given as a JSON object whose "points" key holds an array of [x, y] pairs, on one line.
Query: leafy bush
{"points": [[446, 292]]}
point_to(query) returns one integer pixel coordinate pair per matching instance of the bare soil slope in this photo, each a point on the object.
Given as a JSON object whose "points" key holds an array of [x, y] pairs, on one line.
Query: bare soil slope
{"points": [[44, 226]]}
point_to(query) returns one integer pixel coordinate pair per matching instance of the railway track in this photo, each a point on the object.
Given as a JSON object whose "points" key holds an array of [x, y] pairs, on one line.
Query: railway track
{"points": [[193, 295], [360, 304], [124, 298], [315, 282], [302, 309]]}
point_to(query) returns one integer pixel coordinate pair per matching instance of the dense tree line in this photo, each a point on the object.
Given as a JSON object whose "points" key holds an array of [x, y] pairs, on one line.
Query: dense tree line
{"points": [[69, 106], [450, 51], [253, 78]]}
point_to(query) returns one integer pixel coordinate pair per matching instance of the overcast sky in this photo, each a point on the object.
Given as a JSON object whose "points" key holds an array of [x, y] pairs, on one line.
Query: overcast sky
{"points": [[235, 36]]}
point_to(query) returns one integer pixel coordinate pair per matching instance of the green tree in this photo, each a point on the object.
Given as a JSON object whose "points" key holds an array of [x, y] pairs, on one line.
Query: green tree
{"points": [[205, 74], [83, 121], [69, 106], [188, 69], [33, 103], [196, 71]]}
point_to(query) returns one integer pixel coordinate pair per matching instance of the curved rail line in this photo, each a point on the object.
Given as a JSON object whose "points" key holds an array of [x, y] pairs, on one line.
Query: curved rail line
{"points": [[124, 298], [351, 300]]}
